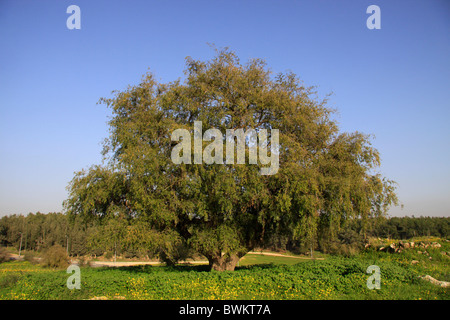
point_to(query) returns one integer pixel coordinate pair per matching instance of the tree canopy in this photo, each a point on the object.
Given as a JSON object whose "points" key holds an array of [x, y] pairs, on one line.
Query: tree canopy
{"points": [[222, 211]]}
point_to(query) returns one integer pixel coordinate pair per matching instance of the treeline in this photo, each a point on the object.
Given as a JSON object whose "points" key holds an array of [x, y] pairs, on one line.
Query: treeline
{"points": [[111, 236], [352, 236], [409, 227], [39, 232]]}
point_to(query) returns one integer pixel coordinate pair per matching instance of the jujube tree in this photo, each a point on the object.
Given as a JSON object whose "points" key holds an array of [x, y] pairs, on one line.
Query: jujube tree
{"points": [[224, 210]]}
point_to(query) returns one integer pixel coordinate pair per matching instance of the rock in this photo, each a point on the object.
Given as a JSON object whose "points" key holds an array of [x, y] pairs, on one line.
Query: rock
{"points": [[392, 248], [443, 284], [414, 262], [412, 244], [406, 245], [435, 245], [419, 252]]}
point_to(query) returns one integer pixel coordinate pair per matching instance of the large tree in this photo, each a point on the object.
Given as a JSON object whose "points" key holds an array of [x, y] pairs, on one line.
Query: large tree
{"points": [[224, 210]]}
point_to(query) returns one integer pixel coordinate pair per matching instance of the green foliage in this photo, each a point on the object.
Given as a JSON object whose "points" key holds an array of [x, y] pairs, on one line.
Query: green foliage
{"points": [[9, 280], [334, 278]]}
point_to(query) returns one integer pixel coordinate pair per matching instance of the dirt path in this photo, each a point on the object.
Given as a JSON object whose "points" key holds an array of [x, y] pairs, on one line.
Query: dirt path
{"points": [[141, 263], [14, 256], [135, 263], [282, 255]]}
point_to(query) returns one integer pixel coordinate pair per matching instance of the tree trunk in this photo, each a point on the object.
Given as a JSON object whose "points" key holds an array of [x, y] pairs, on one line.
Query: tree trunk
{"points": [[224, 262]]}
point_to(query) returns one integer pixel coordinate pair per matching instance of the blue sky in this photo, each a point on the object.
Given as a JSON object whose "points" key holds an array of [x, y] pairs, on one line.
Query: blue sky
{"points": [[392, 83]]}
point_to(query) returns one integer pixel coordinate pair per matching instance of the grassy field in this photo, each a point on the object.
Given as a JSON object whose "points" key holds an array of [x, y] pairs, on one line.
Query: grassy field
{"points": [[257, 277]]}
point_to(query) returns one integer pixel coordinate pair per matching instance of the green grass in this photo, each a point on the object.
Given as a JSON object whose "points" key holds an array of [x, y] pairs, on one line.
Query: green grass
{"points": [[257, 277]]}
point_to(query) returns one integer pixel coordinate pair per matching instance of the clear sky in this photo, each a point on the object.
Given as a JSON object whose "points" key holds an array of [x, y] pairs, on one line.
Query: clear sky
{"points": [[392, 82]]}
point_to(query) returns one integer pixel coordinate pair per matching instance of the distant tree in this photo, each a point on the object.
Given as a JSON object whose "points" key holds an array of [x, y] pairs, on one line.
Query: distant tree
{"points": [[224, 210], [55, 257], [4, 255]]}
